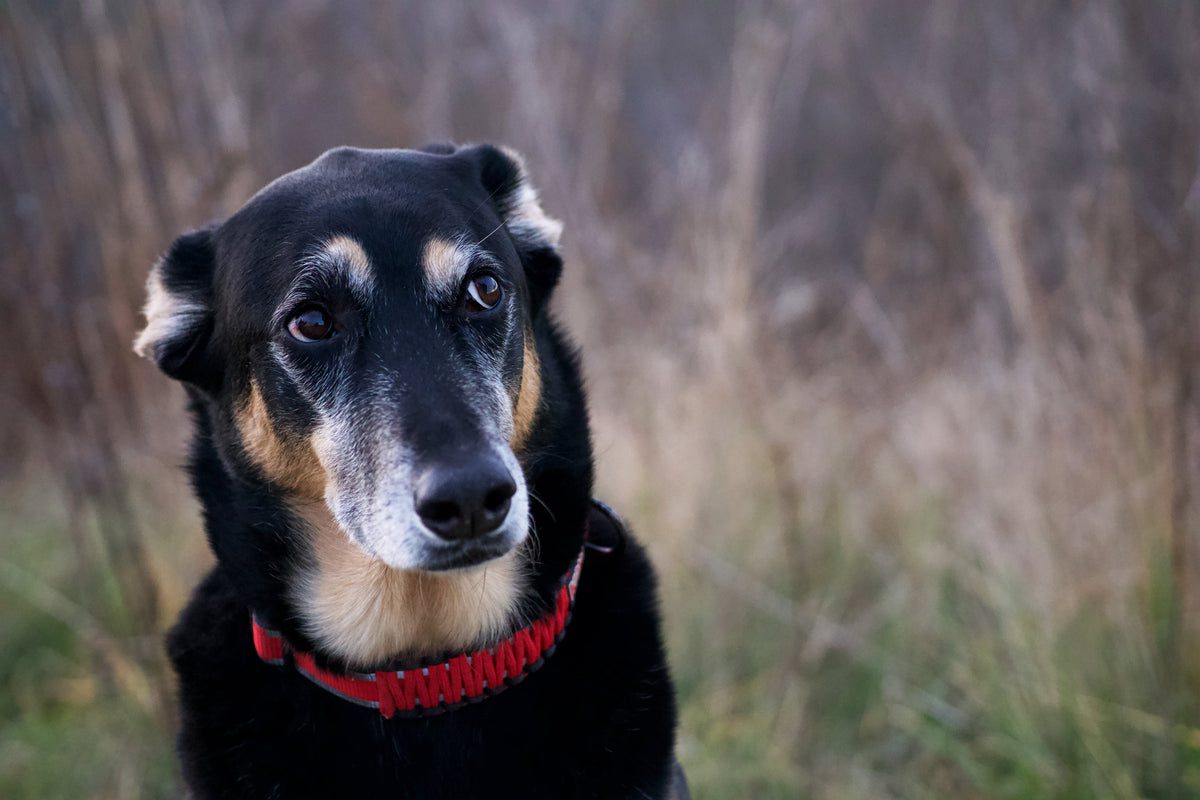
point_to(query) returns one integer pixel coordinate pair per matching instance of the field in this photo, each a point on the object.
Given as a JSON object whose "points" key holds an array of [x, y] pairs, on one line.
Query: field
{"points": [[890, 313]]}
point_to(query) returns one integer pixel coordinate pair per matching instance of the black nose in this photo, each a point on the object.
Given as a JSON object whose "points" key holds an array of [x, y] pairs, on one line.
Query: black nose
{"points": [[466, 500]]}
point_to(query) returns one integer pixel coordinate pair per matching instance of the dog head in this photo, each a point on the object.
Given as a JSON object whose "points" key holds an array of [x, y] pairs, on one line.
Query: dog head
{"points": [[361, 333]]}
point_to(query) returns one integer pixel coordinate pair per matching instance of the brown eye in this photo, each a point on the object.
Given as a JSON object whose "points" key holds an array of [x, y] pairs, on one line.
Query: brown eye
{"points": [[483, 293], [312, 325]]}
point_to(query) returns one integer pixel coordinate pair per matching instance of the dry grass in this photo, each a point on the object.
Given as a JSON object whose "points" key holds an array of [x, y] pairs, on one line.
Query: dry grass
{"points": [[889, 316]]}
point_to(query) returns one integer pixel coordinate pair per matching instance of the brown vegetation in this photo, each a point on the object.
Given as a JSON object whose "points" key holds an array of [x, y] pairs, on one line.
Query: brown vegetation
{"points": [[889, 311]]}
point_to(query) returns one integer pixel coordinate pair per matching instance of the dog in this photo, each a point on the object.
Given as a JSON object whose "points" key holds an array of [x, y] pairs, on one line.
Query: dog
{"points": [[414, 593]]}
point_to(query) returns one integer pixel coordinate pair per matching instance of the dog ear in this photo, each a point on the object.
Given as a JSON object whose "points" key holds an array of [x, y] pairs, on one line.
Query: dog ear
{"points": [[502, 173], [179, 308]]}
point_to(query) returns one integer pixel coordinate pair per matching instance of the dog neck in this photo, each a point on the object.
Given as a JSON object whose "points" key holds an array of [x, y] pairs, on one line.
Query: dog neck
{"points": [[425, 688], [362, 612], [420, 687]]}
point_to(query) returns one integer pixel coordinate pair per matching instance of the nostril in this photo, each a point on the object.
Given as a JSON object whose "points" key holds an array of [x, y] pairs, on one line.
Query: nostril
{"points": [[496, 501], [438, 511], [444, 517]]}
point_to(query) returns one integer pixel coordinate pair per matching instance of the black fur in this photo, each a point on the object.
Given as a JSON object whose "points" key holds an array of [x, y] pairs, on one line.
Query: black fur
{"points": [[596, 721]]}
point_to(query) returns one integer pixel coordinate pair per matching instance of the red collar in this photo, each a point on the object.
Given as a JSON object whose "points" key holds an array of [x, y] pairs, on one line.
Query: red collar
{"points": [[440, 687]]}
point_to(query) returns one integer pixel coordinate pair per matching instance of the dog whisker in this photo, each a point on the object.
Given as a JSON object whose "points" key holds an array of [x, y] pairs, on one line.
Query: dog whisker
{"points": [[484, 239], [533, 496]]}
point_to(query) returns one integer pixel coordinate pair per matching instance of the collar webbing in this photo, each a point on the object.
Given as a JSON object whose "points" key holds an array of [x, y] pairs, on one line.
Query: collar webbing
{"points": [[442, 686]]}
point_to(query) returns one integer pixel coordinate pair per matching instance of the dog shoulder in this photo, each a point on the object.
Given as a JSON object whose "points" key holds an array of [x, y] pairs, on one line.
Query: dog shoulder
{"points": [[617, 634], [213, 627]]}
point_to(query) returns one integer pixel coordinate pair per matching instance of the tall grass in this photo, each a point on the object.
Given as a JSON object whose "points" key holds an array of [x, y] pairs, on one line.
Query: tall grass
{"points": [[888, 313]]}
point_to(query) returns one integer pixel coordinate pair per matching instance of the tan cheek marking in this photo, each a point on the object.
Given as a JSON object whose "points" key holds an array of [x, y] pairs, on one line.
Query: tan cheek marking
{"points": [[293, 467], [367, 613], [442, 261], [529, 396], [346, 250]]}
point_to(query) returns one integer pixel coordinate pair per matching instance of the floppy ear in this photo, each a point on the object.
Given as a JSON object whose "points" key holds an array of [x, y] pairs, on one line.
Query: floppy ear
{"points": [[179, 309], [502, 173]]}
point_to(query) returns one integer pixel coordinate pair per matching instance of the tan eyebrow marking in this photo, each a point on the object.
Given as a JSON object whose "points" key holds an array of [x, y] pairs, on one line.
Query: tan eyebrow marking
{"points": [[339, 255], [445, 262], [345, 250]]}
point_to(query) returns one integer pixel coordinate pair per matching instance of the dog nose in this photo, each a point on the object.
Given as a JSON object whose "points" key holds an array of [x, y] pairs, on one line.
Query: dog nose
{"points": [[465, 501]]}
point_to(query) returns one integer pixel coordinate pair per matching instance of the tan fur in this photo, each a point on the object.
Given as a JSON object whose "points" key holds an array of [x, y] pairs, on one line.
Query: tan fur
{"points": [[357, 606], [293, 467], [354, 605], [167, 314], [349, 252], [444, 261], [367, 613], [527, 219], [529, 396]]}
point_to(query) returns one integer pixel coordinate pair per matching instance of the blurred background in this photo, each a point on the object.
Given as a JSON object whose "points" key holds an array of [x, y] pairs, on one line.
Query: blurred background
{"points": [[890, 318]]}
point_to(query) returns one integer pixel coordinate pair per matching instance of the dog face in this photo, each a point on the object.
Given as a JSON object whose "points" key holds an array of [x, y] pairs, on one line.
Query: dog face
{"points": [[361, 332]]}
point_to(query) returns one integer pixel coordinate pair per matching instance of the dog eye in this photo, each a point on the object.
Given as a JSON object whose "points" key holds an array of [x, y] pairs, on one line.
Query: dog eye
{"points": [[483, 293], [312, 324]]}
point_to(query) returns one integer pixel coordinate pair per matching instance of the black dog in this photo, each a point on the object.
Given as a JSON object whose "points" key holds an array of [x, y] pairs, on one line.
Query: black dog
{"points": [[392, 451]]}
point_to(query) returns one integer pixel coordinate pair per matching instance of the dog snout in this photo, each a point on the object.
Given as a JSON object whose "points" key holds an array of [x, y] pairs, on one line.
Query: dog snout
{"points": [[465, 500]]}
